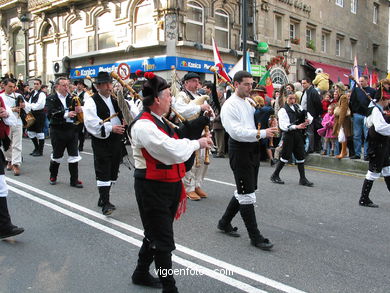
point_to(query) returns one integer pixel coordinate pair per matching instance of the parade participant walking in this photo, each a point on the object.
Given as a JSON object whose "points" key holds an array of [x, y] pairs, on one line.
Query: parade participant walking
{"points": [[82, 96], [159, 161], [36, 105], [293, 121], [7, 229], [15, 102], [106, 138], [237, 116], [63, 131], [186, 106], [378, 144]]}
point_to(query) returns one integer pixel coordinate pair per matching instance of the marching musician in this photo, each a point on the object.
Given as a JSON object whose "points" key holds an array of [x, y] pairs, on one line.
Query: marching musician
{"points": [[63, 131], [106, 138], [159, 161], [15, 102], [293, 121], [378, 143], [183, 105], [81, 93], [7, 229], [36, 105], [237, 117]]}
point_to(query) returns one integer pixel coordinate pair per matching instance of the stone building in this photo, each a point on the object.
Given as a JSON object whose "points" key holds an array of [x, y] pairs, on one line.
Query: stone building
{"points": [[48, 38]]}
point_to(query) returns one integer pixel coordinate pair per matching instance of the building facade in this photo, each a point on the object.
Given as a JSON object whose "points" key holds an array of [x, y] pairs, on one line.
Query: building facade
{"points": [[49, 38]]}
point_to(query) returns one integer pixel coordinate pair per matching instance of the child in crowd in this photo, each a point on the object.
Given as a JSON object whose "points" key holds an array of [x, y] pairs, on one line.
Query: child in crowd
{"points": [[327, 123], [325, 103]]}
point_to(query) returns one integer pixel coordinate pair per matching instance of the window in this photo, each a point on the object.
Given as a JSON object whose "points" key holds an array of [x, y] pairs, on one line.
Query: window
{"points": [[338, 47], [375, 13], [340, 3], [375, 49], [324, 42], [293, 31], [353, 49], [19, 55], [354, 4], [278, 27], [105, 32], [194, 26], [144, 27], [78, 41], [310, 38], [222, 28]]}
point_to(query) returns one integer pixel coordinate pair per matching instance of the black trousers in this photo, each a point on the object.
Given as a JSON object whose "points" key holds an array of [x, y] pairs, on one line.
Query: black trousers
{"points": [[64, 137], [157, 204], [244, 159], [107, 154], [293, 143], [378, 154]]}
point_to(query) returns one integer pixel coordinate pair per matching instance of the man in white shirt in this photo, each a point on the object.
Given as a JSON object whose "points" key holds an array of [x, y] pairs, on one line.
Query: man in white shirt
{"points": [[36, 105], [15, 102], [159, 157], [106, 138], [237, 117]]}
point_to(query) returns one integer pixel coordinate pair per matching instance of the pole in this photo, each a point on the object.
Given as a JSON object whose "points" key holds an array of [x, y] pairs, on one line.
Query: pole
{"points": [[244, 31], [26, 51]]}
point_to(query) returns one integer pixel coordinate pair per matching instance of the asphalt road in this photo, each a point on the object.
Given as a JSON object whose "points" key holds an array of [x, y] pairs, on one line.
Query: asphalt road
{"points": [[324, 242]]}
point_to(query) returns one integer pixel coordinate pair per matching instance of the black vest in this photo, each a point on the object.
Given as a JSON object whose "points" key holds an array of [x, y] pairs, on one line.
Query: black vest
{"points": [[102, 109], [296, 117]]}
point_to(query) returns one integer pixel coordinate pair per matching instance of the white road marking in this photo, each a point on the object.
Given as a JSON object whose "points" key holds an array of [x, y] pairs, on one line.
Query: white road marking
{"points": [[193, 266], [201, 256]]}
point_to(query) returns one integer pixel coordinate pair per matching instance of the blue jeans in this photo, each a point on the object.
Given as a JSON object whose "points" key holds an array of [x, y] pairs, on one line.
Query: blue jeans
{"points": [[358, 128]]}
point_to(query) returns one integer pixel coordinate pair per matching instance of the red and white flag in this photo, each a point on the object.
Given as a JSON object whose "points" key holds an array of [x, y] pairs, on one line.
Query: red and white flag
{"points": [[218, 62], [356, 70]]}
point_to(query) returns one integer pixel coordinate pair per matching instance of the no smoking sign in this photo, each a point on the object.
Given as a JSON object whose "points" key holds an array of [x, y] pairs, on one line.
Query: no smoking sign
{"points": [[124, 71]]}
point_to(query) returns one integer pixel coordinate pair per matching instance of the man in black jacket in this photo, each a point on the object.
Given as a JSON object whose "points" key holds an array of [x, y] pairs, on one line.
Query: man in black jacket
{"points": [[311, 102], [63, 131]]}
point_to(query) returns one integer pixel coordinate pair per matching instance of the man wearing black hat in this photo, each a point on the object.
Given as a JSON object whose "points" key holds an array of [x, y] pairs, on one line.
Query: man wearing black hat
{"points": [[63, 131], [83, 96], [159, 167], [185, 105], [106, 138], [36, 105]]}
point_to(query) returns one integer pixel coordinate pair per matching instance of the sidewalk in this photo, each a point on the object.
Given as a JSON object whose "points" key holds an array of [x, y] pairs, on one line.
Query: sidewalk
{"points": [[346, 164]]}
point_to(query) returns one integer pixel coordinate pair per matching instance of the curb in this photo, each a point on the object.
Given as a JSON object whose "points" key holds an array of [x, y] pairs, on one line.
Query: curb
{"points": [[345, 164]]}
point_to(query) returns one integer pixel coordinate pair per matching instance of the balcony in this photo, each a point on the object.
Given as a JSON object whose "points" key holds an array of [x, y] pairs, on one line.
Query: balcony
{"points": [[35, 6], [8, 4]]}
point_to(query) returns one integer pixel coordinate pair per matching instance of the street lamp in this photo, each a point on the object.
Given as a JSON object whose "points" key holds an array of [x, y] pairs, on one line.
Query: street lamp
{"points": [[25, 26]]}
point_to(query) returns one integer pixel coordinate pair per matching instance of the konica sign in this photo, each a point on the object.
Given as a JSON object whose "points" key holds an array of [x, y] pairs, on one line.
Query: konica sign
{"points": [[148, 64]]}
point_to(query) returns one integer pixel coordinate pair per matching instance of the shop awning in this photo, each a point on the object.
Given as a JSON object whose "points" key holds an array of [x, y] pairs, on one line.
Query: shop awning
{"points": [[336, 73]]}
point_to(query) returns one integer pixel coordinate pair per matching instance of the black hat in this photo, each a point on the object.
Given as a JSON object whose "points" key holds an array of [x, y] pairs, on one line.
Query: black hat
{"points": [[77, 81], [103, 77], [152, 86], [190, 75]]}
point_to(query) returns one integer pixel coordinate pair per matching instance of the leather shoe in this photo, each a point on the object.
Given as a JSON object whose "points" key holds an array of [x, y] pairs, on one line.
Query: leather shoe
{"points": [[192, 195], [368, 204], [262, 243], [53, 180], [355, 157], [12, 231], [305, 182], [16, 170], [276, 179], [101, 203], [199, 191], [9, 166], [77, 184], [273, 162], [228, 229], [108, 208], [147, 280]]}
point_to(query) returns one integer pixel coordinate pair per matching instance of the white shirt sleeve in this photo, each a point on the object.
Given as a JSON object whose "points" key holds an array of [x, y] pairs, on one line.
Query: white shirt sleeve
{"points": [[183, 106], [92, 120], [169, 151], [379, 122], [284, 121], [11, 120], [39, 105]]}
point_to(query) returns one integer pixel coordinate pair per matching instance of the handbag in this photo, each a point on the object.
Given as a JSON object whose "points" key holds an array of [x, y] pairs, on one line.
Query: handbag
{"points": [[30, 120], [321, 131]]}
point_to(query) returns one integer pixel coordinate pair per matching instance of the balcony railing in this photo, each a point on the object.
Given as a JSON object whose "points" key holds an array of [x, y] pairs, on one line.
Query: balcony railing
{"points": [[6, 4], [44, 5]]}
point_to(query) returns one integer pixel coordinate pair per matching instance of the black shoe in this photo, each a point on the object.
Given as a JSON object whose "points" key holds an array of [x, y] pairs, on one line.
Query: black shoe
{"points": [[37, 154], [77, 184], [12, 231], [273, 162], [81, 148], [276, 179], [368, 204], [228, 229], [305, 182], [101, 203], [108, 209], [262, 243], [33, 152], [366, 158], [146, 280], [355, 157]]}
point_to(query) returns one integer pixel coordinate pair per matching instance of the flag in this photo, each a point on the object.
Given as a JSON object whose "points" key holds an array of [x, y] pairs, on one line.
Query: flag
{"points": [[240, 66], [374, 80], [355, 70], [218, 62], [267, 82], [365, 71]]}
